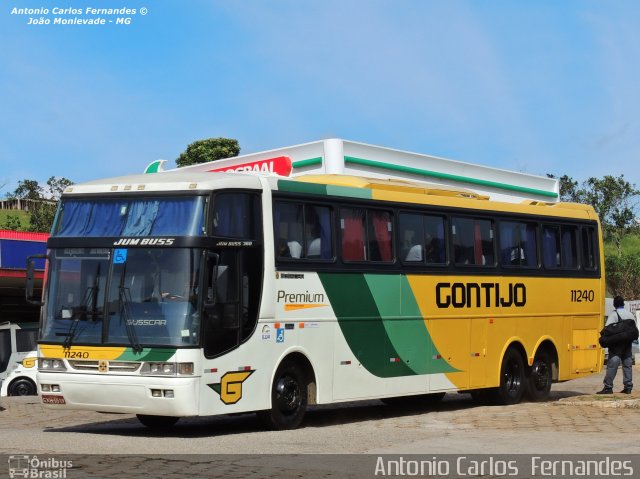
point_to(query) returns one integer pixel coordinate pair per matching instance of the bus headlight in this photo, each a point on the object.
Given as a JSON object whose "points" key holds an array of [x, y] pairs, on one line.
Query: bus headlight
{"points": [[167, 369], [46, 364], [164, 369]]}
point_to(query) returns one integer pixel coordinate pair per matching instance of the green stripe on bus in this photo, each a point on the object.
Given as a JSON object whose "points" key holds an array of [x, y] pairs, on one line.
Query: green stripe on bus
{"points": [[447, 176], [362, 193], [324, 190], [301, 187], [361, 324], [404, 323], [309, 162], [147, 354]]}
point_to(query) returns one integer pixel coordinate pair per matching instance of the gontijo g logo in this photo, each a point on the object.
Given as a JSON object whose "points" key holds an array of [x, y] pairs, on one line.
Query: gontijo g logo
{"points": [[230, 386]]}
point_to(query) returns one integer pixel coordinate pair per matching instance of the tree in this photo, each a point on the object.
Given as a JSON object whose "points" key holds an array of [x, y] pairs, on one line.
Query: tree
{"points": [[623, 271], [613, 199], [27, 190], [211, 149], [42, 206], [56, 186], [568, 188]]}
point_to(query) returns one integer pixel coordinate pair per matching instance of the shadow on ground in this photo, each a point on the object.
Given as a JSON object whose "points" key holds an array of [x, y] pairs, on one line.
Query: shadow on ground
{"points": [[316, 417]]}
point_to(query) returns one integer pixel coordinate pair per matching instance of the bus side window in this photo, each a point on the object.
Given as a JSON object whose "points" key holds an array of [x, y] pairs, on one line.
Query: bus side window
{"points": [[473, 241], [289, 230], [352, 225], [560, 246], [411, 229], [26, 340], [302, 231], [380, 245], [518, 245], [434, 240], [422, 239], [5, 349], [569, 246], [551, 246], [588, 248], [318, 238], [234, 214]]}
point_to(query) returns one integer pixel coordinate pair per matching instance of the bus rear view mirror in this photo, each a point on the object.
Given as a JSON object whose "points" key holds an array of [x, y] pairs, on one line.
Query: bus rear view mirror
{"points": [[30, 286], [213, 259]]}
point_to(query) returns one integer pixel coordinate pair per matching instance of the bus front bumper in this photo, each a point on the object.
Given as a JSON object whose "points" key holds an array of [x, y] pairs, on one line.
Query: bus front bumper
{"points": [[161, 396]]}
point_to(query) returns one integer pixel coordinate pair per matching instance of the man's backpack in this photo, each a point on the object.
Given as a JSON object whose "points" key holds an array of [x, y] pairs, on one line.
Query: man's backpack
{"points": [[624, 331]]}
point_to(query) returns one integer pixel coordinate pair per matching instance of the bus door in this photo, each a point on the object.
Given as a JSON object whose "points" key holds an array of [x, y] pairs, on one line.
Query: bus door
{"points": [[231, 299]]}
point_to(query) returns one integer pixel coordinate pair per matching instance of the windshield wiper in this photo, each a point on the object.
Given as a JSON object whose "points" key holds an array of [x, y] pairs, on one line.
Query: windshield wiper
{"points": [[90, 299], [125, 314], [124, 300], [70, 334]]}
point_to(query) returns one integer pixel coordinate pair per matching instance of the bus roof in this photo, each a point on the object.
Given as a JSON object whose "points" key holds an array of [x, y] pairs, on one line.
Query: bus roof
{"points": [[337, 156], [179, 181], [407, 192]]}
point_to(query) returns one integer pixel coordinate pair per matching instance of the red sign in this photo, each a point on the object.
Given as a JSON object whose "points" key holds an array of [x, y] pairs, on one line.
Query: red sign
{"points": [[51, 399], [280, 166]]}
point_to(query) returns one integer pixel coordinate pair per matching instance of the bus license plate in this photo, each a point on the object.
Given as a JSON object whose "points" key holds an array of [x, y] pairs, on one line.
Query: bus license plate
{"points": [[51, 399]]}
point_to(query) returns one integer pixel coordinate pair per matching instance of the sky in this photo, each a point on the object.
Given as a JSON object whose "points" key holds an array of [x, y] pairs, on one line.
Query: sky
{"points": [[537, 86]]}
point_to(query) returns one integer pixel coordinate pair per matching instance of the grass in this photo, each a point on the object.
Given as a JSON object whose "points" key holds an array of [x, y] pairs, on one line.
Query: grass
{"points": [[22, 215]]}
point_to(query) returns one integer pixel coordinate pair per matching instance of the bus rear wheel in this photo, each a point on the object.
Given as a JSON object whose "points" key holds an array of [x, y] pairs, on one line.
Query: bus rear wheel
{"points": [[540, 377], [512, 379], [22, 387], [289, 399], [157, 422]]}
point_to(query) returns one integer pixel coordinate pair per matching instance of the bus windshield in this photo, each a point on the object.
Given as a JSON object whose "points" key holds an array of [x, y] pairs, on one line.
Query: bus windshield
{"points": [[114, 217], [132, 297]]}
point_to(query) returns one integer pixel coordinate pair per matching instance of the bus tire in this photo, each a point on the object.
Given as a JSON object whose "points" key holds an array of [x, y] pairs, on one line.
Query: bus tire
{"points": [[289, 398], [22, 387], [157, 422], [540, 377], [513, 380]]}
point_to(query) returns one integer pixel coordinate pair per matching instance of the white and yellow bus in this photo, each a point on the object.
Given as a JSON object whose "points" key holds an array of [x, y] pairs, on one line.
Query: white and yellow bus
{"points": [[194, 293]]}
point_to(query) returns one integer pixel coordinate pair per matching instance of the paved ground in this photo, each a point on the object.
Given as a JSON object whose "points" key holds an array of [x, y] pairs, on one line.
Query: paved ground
{"points": [[573, 421]]}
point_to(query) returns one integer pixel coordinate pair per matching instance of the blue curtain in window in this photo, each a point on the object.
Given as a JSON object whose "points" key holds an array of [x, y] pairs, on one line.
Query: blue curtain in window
{"points": [[506, 242], [179, 217], [439, 243], [149, 217], [568, 253], [231, 217], [90, 218], [530, 246], [549, 247], [140, 218]]}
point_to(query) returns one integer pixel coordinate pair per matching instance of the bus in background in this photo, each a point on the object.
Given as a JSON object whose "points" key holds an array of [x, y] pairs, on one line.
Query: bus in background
{"points": [[18, 359], [225, 289]]}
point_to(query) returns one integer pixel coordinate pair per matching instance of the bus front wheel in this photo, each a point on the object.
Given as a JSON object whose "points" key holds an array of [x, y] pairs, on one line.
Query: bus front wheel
{"points": [[289, 399], [512, 379], [22, 387], [157, 422]]}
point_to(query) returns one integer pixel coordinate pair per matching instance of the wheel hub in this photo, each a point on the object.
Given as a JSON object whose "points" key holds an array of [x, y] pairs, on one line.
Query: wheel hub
{"points": [[288, 394]]}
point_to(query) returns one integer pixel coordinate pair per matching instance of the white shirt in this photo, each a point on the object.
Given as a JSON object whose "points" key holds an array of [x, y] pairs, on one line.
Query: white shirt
{"points": [[415, 253], [295, 249], [624, 314]]}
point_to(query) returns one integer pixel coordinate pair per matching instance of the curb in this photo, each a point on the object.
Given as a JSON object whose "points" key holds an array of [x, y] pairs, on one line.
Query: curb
{"points": [[613, 401]]}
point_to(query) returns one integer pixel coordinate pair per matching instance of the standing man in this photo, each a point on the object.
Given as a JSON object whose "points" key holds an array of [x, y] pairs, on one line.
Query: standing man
{"points": [[618, 334]]}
